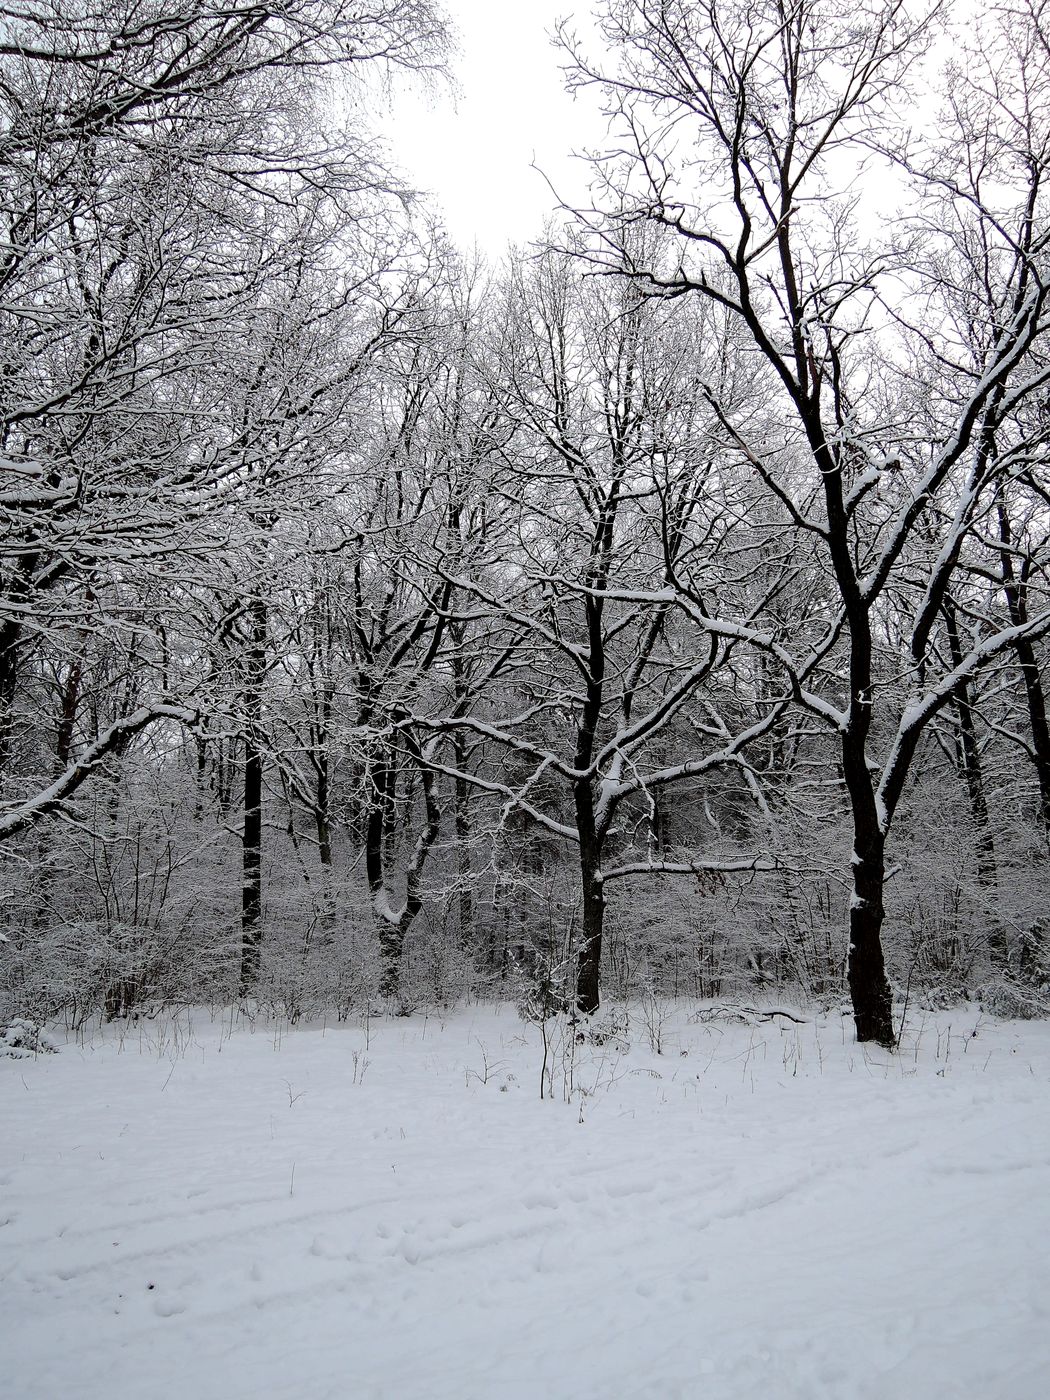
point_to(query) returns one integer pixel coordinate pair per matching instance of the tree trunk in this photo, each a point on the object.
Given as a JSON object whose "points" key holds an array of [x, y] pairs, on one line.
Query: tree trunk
{"points": [[466, 891], [251, 867], [322, 820], [461, 753], [590, 954], [393, 925], [67, 716], [10, 634], [970, 766], [391, 934], [1040, 729], [18, 594], [251, 840], [320, 739], [590, 949], [869, 989], [391, 946], [1015, 589], [10, 646], [866, 968]]}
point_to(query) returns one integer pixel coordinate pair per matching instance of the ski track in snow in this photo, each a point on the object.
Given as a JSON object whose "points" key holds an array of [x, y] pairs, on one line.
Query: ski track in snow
{"points": [[757, 1212]]}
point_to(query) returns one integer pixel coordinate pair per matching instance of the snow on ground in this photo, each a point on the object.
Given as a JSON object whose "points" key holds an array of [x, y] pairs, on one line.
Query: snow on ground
{"points": [[193, 1210]]}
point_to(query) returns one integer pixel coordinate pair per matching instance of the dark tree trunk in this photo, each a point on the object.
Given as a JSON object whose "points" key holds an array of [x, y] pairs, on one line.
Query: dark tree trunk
{"points": [[969, 754], [1040, 729], [391, 934], [869, 989], [381, 779], [589, 956], [63, 758], [19, 593], [393, 925], [462, 825], [461, 752], [866, 968], [68, 715], [251, 867], [251, 840], [322, 820], [589, 951], [320, 741], [10, 635], [1015, 588]]}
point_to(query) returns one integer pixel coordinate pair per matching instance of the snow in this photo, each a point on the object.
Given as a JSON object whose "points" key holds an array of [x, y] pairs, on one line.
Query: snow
{"points": [[190, 1207], [384, 908], [16, 816]]}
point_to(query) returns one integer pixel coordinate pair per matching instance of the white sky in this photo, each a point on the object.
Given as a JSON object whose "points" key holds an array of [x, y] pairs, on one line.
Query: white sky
{"points": [[473, 151]]}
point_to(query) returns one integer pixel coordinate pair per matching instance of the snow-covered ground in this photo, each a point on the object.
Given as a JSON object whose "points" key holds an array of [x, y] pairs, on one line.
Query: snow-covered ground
{"points": [[193, 1210]]}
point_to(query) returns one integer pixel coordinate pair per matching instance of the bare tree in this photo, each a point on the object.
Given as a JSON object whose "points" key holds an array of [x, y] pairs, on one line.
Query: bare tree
{"points": [[151, 162], [741, 124], [606, 487]]}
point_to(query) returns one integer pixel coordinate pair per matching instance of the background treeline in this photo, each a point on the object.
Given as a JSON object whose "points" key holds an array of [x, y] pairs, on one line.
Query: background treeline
{"points": [[663, 611]]}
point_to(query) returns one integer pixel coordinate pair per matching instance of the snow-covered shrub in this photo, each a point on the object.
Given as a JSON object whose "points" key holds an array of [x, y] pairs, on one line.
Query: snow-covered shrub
{"points": [[1015, 1000], [610, 1028], [542, 985], [318, 966], [437, 966], [21, 1038]]}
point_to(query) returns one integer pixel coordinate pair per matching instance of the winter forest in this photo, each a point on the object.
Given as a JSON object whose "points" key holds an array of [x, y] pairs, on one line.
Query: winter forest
{"points": [[664, 609], [655, 617]]}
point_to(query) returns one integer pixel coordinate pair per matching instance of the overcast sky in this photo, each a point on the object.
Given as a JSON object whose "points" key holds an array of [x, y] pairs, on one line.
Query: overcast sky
{"points": [[474, 151]]}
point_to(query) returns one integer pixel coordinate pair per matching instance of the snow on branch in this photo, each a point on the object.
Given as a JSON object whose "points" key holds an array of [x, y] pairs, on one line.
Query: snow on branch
{"points": [[17, 816], [744, 865], [514, 799], [923, 708]]}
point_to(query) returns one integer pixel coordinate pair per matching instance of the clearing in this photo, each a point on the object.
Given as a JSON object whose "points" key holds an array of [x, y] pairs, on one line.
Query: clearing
{"points": [[194, 1207]]}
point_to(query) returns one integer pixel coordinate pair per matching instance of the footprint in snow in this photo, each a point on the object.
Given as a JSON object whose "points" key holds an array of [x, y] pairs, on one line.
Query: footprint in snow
{"points": [[169, 1307], [618, 1189], [409, 1251], [539, 1200]]}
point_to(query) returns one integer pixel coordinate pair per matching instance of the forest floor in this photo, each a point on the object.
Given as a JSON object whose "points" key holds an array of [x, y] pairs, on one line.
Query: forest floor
{"points": [[196, 1208]]}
